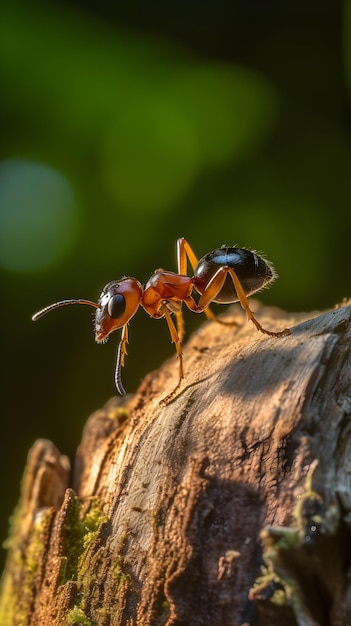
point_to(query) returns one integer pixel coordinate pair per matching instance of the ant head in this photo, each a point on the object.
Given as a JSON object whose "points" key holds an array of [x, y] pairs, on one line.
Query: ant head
{"points": [[118, 302]]}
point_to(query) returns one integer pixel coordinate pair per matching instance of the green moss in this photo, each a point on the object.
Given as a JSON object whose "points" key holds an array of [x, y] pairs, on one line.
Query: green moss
{"points": [[121, 413], [80, 534], [14, 605], [291, 553], [270, 587], [77, 616], [120, 575], [77, 535], [91, 522], [72, 542]]}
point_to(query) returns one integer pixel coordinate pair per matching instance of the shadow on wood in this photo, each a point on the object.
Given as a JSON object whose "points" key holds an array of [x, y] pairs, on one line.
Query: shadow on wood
{"points": [[229, 506]]}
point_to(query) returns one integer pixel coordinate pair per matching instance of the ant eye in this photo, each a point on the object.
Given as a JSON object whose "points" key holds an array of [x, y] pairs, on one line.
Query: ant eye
{"points": [[116, 306]]}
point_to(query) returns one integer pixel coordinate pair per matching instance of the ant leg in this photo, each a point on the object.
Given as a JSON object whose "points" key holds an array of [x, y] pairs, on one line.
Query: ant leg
{"points": [[191, 304], [184, 252], [180, 325], [211, 316], [176, 340], [245, 305], [121, 353], [214, 287]]}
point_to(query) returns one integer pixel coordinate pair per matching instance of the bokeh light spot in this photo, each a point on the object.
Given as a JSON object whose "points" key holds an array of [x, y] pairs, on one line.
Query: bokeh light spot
{"points": [[150, 156], [38, 216], [230, 108]]}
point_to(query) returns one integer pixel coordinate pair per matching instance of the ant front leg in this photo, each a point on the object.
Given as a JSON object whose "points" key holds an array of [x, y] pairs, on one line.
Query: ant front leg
{"points": [[176, 340], [214, 287]]}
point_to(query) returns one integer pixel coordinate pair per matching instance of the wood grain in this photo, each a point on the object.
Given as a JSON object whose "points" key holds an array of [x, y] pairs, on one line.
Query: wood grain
{"points": [[229, 506]]}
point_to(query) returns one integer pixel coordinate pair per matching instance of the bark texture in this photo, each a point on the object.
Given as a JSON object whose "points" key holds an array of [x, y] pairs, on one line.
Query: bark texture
{"points": [[229, 506]]}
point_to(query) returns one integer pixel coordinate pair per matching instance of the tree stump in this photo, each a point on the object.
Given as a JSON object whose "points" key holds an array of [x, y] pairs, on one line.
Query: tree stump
{"points": [[231, 506]]}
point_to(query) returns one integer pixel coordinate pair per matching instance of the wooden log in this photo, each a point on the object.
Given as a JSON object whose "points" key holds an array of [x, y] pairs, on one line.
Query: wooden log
{"points": [[231, 506]]}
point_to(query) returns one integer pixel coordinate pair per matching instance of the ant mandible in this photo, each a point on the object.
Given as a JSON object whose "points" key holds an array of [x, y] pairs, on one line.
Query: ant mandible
{"points": [[224, 276]]}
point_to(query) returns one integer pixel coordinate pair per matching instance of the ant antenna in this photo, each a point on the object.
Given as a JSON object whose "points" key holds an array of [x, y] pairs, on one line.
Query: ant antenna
{"points": [[56, 305], [121, 351], [118, 370]]}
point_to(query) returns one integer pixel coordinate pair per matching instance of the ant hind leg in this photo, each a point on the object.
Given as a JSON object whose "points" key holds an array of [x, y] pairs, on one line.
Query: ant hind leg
{"points": [[245, 305], [212, 316], [214, 287]]}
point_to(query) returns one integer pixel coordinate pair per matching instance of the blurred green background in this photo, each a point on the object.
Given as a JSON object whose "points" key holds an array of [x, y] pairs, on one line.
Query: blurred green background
{"points": [[128, 125]]}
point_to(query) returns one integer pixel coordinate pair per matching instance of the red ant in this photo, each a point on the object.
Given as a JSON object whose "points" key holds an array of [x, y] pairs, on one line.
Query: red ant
{"points": [[224, 276]]}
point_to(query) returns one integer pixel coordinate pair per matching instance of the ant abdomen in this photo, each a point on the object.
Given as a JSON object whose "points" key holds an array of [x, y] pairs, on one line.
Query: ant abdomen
{"points": [[252, 270]]}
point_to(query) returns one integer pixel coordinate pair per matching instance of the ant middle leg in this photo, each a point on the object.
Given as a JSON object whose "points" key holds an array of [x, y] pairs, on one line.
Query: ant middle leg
{"points": [[176, 340], [185, 252]]}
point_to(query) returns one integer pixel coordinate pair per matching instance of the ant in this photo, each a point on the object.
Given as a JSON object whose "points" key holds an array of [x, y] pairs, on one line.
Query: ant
{"points": [[224, 276]]}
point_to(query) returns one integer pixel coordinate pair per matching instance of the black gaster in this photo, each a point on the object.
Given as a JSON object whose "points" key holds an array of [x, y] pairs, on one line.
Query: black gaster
{"points": [[253, 272]]}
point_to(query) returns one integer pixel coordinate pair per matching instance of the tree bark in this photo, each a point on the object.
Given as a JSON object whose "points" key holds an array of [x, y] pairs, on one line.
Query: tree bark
{"points": [[229, 506]]}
